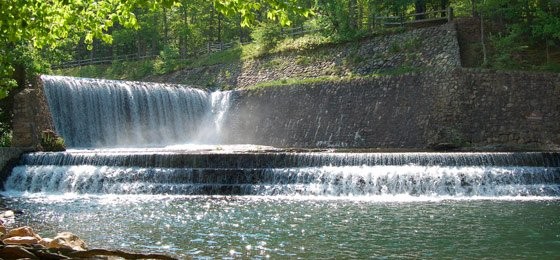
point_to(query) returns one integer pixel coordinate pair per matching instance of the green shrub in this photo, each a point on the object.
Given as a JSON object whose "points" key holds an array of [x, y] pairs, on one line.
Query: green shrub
{"points": [[143, 69], [51, 142], [505, 48], [6, 139], [267, 35], [116, 70], [167, 60], [306, 42], [320, 25], [552, 67]]}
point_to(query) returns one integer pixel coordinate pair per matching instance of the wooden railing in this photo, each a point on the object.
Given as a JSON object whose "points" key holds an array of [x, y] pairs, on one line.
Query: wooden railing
{"points": [[102, 60], [417, 18], [218, 46]]}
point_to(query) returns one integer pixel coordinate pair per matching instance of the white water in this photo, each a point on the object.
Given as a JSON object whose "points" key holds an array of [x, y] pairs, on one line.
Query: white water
{"points": [[407, 180], [109, 113]]}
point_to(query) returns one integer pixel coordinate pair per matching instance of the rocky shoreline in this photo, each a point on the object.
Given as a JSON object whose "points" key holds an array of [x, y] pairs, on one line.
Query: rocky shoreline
{"points": [[24, 243]]}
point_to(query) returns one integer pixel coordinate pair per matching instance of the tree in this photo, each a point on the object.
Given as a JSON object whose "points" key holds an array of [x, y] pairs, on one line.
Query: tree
{"points": [[420, 8], [36, 24]]}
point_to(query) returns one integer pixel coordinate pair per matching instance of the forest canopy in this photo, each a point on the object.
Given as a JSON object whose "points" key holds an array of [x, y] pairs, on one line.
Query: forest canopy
{"points": [[29, 26]]}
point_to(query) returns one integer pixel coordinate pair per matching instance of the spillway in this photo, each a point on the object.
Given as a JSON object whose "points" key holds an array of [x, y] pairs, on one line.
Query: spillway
{"points": [[110, 113], [289, 173]]}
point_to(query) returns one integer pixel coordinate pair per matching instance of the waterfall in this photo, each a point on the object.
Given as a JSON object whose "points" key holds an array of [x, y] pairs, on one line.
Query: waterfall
{"points": [[91, 113], [108, 113], [282, 173], [172, 159]]}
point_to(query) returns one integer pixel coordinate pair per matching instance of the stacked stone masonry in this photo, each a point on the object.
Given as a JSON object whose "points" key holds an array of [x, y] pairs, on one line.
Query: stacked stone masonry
{"points": [[464, 107], [31, 117]]}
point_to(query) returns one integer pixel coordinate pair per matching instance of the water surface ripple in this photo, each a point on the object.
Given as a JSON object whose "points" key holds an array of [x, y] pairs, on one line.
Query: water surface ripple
{"points": [[304, 227]]}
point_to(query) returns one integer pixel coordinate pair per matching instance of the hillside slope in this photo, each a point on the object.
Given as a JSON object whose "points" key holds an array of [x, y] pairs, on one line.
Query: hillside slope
{"points": [[434, 48]]}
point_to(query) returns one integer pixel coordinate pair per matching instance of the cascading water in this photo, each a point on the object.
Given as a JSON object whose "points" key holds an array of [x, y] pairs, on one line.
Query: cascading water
{"points": [[327, 174], [92, 113], [138, 139], [107, 113]]}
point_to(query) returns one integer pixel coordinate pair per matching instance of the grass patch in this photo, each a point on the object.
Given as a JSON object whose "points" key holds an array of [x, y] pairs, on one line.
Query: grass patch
{"points": [[326, 79], [292, 81], [304, 60], [275, 63], [306, 42], [231, 55]]}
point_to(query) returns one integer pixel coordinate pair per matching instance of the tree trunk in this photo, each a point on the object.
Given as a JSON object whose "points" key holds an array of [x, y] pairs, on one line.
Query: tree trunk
{"points": [[220, 30], [420, 8], [20, 75], [183, 39], [240, 29], [484, 55], [371, 16], [443, 6], [352, 21], [211, 26], [165, 27], [360, 17], [547, 52]]}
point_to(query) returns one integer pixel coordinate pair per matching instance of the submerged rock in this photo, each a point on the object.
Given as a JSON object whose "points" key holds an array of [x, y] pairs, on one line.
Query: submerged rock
{"points": [[2, 230], [45, 242]]}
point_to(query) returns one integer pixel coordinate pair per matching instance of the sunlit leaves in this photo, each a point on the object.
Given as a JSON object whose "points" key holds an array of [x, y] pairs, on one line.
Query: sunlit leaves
{"points": [[36, 24], [276, 10], [546, 26], [44, 23]]}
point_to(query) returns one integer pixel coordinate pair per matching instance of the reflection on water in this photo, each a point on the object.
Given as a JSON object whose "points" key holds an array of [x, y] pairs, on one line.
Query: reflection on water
{"points": [[303, 227]]}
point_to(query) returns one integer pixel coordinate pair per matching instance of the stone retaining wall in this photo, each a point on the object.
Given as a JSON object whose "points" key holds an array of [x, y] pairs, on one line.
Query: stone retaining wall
{"points": [[9, 153], [31, 117], [418, 110], [501, 107], [9, 157]]}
